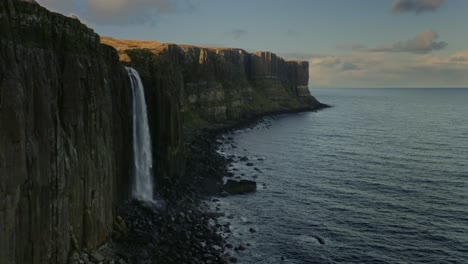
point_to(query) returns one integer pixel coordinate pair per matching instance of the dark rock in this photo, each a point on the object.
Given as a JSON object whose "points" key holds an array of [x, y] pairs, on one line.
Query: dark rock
{"points": [[233, 260], [250, 164], [74, 257], [240, 187], [244, 158], [96, 257], [240, 248], [214, 214], [251, 230], [321, 240], [144, 254]]}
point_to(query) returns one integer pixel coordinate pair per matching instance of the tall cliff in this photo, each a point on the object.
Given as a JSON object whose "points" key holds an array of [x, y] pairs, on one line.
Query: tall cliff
{"points": [[65, 135], [66, 121], [219, 85]]}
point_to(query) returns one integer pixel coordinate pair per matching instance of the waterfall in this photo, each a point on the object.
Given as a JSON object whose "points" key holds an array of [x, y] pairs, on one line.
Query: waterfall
{"points": [[142, 155]]}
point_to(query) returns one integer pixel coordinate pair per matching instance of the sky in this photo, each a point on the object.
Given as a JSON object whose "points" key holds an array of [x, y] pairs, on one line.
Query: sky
{"points": [[348, 43]]}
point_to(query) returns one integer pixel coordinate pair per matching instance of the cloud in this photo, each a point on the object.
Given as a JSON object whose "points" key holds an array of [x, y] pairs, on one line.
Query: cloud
{"points": [[352, 47], [348, 66], [118, 12], [416, 6], [238, 33], [300, 56], [336, 63], [364, 69], [458, 59], [329, 62], [423, 43]]}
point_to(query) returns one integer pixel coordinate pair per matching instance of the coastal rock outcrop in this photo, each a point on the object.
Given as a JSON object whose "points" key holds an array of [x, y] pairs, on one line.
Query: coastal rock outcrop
{"points": [[240, 187], [65, 135]]}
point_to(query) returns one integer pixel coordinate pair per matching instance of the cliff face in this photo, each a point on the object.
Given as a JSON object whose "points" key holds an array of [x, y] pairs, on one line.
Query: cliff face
{"points": [[65, 135], [266, 65], [215, 82], [162, 81], [299, 75], [224, 84]]}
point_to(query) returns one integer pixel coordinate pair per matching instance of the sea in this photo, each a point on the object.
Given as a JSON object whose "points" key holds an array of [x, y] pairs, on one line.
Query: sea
{"points": [[381, 177]]}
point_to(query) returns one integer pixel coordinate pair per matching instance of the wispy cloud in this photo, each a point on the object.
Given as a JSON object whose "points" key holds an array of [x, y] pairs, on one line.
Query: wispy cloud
{"points": [[416, 6], [348, 66], [364, 69], [351, 47], [424, 42], [118, 12], [336, 63], [238, 33], [329, 62], [300, 56]]}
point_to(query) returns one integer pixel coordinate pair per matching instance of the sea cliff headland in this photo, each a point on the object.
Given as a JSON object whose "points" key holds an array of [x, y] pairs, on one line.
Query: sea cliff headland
{"points": [[66, 140]]}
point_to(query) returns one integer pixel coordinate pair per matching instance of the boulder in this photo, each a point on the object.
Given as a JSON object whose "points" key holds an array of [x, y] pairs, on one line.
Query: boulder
{"points": [[240, 187], [97, 257]]}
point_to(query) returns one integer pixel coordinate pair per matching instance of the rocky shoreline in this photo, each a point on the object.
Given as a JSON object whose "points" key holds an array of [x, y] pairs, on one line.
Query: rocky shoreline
{"points": [[182, 227]]}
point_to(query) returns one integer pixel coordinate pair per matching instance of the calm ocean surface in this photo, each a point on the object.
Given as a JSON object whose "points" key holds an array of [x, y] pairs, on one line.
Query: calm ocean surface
{"points": [[381, 178]]}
